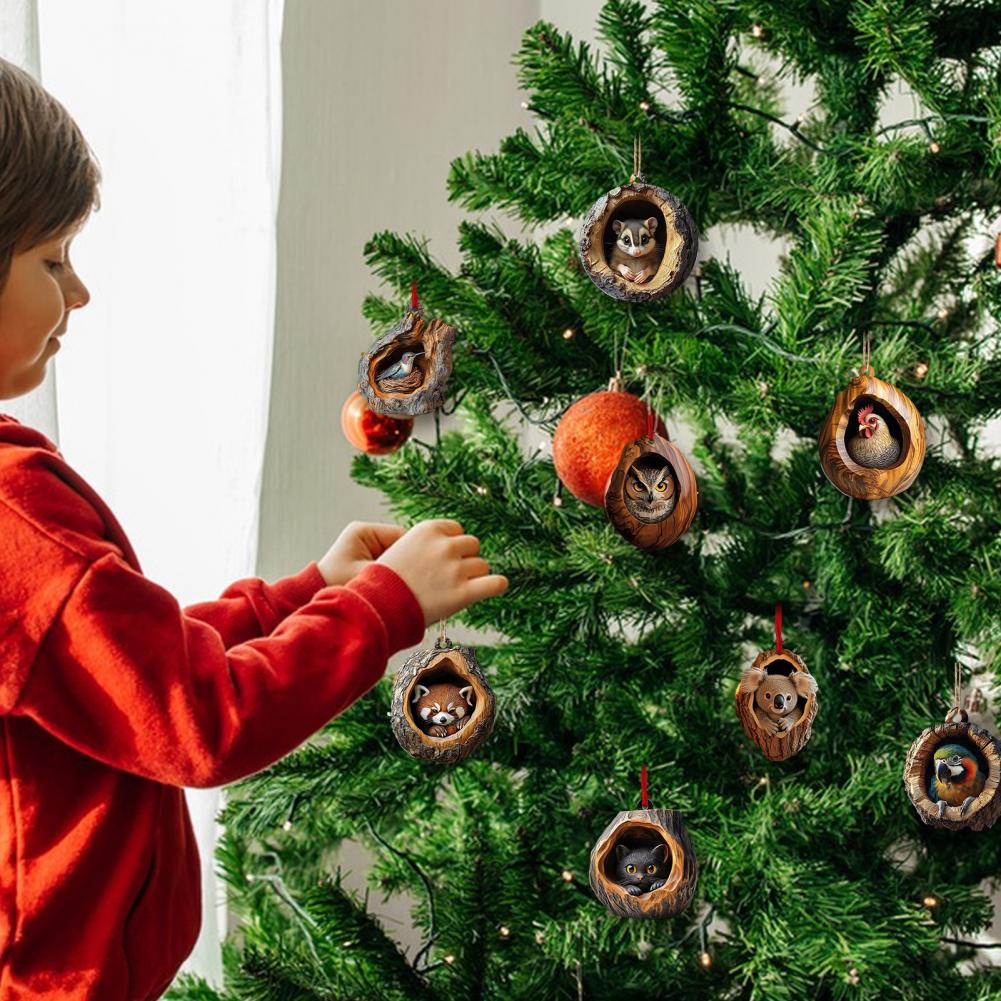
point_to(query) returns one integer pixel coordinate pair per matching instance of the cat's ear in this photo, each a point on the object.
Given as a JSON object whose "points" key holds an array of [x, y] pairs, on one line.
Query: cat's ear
{"points": [[751, 679], [806, 684], [651, 224], [660, 853], [466, 692], [617, 226], [419, 692], [621, 851]]}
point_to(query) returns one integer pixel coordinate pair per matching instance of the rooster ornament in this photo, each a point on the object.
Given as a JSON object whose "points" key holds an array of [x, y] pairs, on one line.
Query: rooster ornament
{"points": [[957, 778]]}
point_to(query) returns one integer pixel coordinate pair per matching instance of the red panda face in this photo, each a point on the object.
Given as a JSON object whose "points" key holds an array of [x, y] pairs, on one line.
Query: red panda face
{"points": [[442, 703]]}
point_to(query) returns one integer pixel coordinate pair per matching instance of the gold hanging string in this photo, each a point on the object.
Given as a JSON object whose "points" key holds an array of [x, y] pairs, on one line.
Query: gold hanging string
{"points": [[637, 158], [866, 368], [959, 686]]}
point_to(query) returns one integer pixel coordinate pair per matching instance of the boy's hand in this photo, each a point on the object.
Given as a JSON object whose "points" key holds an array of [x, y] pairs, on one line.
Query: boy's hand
{"points": [[361, 542], [442, 567]]}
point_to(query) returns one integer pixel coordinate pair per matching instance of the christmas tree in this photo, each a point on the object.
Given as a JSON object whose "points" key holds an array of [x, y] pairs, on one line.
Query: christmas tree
{"points": [[816, 875]]}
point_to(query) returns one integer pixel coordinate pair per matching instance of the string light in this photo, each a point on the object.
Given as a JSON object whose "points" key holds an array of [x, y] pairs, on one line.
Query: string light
{"points": [[568, 333], [934, 147], [540, 937], [347, 944], [449, 959], [567, 876], [806, 585], [482, 490], [287, 826], [757, 31], [920, 370], [930, 902], [853, 978], [557, 501], [943, 314], [504, 931], [644, 105], [705, 960]]}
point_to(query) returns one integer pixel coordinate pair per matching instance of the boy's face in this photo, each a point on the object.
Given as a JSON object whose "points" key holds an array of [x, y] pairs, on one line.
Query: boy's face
{"points": [[41, 289]]}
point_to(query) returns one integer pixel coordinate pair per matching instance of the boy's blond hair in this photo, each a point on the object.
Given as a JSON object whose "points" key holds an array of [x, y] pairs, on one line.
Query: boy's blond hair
{"points": [[49, 176]]}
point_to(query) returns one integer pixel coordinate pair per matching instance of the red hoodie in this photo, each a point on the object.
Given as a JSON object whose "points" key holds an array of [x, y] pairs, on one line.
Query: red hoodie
{"points": [[113, 697]]}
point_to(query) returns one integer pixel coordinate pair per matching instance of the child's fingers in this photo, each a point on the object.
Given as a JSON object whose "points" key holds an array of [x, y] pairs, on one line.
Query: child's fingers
{"points": [[487, 587], [466, 545], [380, 535], [474, 566], [447, 525]]}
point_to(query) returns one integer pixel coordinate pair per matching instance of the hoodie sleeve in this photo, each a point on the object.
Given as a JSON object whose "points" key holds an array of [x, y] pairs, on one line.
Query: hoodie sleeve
{"points": [[126, 676], [251, 607]]}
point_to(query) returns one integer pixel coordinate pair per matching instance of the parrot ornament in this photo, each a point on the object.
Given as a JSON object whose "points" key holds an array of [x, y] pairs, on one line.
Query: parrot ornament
{"points": [[874, 446], [401, 376], [957, 778]]}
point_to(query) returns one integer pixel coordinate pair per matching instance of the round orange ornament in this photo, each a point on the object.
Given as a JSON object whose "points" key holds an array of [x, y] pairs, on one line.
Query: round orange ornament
{"points": [[370, 432]]}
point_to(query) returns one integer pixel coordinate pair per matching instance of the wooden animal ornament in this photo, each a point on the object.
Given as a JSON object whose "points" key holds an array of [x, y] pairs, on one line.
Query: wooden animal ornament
{"points": [[405, 371], [952, 772], [638, 242], [872, 443], [644, 865], [652, 495], [442, 708], [776, 699]]}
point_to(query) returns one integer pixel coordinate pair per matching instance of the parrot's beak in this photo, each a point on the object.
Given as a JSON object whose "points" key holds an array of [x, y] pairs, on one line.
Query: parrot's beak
{"points": [[945, 772]]}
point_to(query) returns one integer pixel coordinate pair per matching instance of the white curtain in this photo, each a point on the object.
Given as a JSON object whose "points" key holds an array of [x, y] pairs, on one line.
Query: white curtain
{"points": [[163, 380]]}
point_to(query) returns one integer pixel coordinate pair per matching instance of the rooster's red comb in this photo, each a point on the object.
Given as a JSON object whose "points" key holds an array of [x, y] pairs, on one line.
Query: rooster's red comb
{"points": [[864, 413]]}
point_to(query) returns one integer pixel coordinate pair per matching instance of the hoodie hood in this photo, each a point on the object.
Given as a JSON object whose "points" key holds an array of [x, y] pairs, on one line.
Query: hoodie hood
{"points": [[13, 432]]}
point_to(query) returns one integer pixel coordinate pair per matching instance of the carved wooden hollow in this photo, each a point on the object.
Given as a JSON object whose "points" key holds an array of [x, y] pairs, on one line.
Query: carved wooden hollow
{"points": [[903, 421], [451, 664], [777, 746], [984, 810], [645, 827], [405, 371], [624, 512], [676, 235]]}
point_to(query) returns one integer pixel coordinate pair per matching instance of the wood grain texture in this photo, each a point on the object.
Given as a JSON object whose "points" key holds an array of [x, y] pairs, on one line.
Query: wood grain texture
{"points": [[651, 826], [442, 663], [862, 482], [984, 810], [435, 338], [680, 251], [652, 535], [776, 746]]}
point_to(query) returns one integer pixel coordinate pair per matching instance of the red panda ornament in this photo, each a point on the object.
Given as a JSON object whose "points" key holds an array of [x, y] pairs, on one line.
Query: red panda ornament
{"points": [[443, 708]]}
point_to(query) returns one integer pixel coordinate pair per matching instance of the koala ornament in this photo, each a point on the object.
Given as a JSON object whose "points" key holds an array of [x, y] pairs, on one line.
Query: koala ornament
{"points": [[777, 703], [443, 708]]}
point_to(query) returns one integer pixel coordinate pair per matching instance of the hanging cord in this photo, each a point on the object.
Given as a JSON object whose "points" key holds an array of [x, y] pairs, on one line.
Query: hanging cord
{"points": [[957, 711], [637, 160], [415, 303], [778, 628], [442, 640], [645, 803], [866, 368]]}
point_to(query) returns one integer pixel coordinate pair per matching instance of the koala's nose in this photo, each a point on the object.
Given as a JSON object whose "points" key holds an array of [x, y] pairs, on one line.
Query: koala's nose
{"points": [[780, 702]]}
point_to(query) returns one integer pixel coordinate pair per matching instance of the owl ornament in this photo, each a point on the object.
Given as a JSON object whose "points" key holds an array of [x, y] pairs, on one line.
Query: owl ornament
{"points": [[652, 495], [403, 374], [638, 242], [644, 865], [776, 700], [442, 708], [872, 443], [952, 772]]}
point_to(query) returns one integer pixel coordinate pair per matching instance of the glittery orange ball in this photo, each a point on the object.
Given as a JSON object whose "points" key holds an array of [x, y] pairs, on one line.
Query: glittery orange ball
{"points": [[371, 432], [590, 437]]}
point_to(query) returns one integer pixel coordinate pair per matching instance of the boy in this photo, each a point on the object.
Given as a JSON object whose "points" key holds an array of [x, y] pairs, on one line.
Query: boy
{"points": [[112, 697]]}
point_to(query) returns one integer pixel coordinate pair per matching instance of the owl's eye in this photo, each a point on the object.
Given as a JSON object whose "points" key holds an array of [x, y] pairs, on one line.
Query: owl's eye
{"points": [[651, 868], [631, 869], [636, 486], [661, 487]]}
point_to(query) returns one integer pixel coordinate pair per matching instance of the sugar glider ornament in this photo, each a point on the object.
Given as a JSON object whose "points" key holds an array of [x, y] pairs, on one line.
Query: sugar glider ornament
{"points": [[442, 709], [636, 254]]}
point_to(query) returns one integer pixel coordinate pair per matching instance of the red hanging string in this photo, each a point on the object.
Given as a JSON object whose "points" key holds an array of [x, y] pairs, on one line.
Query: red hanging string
{"points": [[414, 304], [649, 420], [778, 628], [643, 787]]}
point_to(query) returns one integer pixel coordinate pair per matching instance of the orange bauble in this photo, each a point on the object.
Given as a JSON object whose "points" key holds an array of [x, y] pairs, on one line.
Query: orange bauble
{"points": [[590, 437], [371, 432]]}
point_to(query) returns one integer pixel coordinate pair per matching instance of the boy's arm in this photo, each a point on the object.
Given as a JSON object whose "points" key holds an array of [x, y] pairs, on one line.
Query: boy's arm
{"points": [[252, 607], [125, 676]]}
